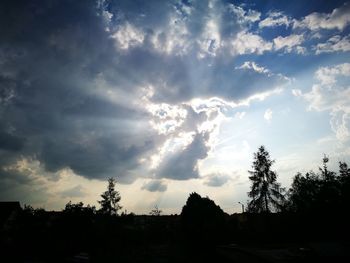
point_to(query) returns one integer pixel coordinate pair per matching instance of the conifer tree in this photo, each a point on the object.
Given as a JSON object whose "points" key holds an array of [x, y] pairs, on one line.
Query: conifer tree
{"points": [[110, 199], [265, 192]]}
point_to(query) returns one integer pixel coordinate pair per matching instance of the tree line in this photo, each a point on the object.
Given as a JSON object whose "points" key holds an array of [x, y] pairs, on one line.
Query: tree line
{"points": [[313, 209], [324, 190]]}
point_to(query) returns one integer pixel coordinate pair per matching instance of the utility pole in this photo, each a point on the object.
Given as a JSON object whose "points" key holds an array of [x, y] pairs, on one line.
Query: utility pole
{"points": [[242, 206]]}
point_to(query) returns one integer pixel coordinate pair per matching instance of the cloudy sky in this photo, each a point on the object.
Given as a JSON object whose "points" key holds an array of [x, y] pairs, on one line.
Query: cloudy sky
{"points": [[169, 97]]}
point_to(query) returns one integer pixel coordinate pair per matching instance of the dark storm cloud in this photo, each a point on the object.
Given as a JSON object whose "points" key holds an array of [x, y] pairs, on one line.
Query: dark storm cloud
{"points": [[154, 186], [182, 165], [22, 184], [10, 142], [98, 158], [52, 53], [19, 192], [53, 108], [217, 180]]}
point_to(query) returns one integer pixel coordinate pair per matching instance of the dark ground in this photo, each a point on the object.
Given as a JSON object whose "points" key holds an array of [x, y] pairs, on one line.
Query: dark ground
{"points": [[78, 237]]}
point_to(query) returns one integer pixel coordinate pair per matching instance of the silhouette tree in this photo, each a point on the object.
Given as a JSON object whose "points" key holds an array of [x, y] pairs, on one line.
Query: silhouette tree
{"points": [[266, 193], [198, 210], [79, 208], [325, 173], [202, 219], [320, 192], [344, 178], [304, 192], [344, 172], [74, 208], [155, 211], [329, 195], [110, 199]]}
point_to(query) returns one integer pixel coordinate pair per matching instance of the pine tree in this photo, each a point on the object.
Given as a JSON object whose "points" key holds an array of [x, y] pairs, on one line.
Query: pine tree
{"points": [[265, 192], [110, 199]]}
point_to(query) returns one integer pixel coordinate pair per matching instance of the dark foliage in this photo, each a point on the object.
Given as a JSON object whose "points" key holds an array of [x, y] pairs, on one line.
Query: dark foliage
{"points": [[322, 192], [79, 209], [344, 181], [202, 219]]}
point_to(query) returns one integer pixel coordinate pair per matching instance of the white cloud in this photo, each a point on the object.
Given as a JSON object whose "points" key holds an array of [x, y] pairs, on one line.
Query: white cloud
{"points": [[336, 101], [328, 98], [297, 92], [173, 37], [340, 123], [275, 19], [334, 44], [166, 118], [248, 43], [244, 16], [329, 95], [191, 129], [212, 37], [210, 40], [128, 36], [289, 43], [328, 75], [316, 35], [300, 49], [240, 115], [338, 19], [260, 96], [253, 66], [268, 115]]}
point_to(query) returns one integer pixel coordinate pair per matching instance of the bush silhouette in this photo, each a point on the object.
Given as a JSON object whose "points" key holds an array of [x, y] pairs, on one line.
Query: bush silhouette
{"points": [[202, 219]]}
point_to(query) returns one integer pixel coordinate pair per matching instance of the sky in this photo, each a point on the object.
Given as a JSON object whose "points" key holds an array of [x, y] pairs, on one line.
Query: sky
{"points": [[168, 97]]}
